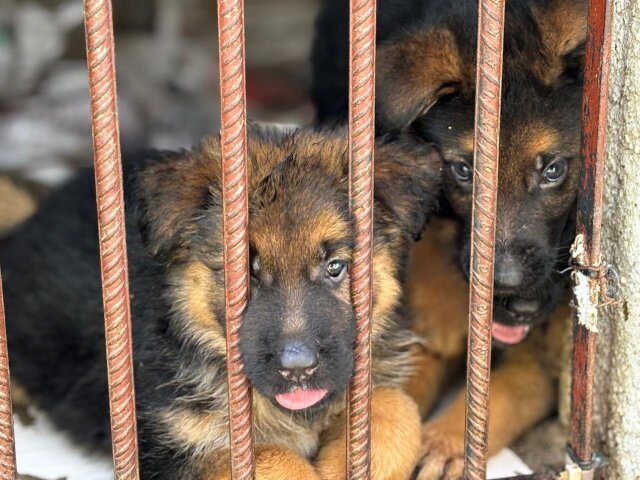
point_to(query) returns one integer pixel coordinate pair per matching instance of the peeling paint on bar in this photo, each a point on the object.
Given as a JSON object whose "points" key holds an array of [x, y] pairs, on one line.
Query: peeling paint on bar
{"points": [[585, 289], [588, 223]]}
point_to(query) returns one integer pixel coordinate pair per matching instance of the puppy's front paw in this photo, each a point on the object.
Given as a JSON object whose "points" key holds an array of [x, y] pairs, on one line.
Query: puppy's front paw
{"points": [[395, 439], [442, 453]]}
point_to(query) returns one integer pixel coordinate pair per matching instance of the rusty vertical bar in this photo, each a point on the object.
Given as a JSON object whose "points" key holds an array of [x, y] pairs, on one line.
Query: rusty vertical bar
{"points": [[485, 186], [236, 219], [7, 440], [362, 51], [589, 220], [111, 227]]}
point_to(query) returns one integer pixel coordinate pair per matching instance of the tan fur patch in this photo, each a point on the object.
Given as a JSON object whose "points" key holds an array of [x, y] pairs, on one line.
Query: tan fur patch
{"points": [[395, 439], [387, 290], [196, 289], [325, 227], [467, 141], [201, 429], [537, 139], [526, 143], [417, 71], [438, 292], [272, 462], [275, 426], [563, 25], [305, 243], [207, 431]]}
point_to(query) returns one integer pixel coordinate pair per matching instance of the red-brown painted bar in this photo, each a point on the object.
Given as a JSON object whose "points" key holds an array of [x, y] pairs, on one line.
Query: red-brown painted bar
{"points": [[362, 48], [485, 186], [111, 226], [589, 216], [7, 441], [236, 220]]}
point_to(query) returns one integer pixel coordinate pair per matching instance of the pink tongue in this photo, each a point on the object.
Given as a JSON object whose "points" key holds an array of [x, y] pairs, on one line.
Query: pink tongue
{"points": [[509, 335], [300, 398]]}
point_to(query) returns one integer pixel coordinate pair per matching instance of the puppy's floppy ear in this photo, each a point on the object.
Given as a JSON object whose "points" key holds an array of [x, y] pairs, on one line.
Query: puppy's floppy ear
{"points": [[407, 181], [412, 74], [170, 191], [563, 29]]}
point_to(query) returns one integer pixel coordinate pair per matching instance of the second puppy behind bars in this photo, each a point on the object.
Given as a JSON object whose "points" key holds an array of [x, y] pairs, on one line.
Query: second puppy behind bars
{"points": [[426, 87], [297, 334]]}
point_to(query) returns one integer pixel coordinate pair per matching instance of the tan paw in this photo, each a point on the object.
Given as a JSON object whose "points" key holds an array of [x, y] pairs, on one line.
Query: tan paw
{"points": [[442, 454]]}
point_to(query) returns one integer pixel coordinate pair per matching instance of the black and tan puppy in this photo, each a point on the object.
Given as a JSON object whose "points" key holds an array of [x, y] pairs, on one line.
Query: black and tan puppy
{"points": [[426, 88], [297, 334]]}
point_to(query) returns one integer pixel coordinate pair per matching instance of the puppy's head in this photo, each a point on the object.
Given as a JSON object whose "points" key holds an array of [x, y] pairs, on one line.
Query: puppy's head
{"points": [[427, 83], [298, 329]]}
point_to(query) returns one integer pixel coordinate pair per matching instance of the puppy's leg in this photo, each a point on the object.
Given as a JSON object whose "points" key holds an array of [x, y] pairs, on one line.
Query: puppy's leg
{"points": [[395, 439], [272, 462], [437, 294], [425, 385], [522, 393]]}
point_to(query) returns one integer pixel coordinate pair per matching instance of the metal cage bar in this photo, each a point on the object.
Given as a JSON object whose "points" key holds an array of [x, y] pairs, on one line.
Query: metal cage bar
{"points": [[588, 223], [7, 441], [236, 220], [111, 226], [485, 186], [362, 50]]}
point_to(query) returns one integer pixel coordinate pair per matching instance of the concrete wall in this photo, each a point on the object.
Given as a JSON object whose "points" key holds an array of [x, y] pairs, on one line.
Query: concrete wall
{"points": [[618, 383]]}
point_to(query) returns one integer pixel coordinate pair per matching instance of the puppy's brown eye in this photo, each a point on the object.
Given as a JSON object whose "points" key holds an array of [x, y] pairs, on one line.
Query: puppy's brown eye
{"points": [[461, 171], [336, 269], [554, 174]]}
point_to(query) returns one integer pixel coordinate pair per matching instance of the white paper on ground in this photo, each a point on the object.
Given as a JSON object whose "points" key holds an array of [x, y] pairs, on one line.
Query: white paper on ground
{"points": [[45, 453], [49, 454], [506, 464]]}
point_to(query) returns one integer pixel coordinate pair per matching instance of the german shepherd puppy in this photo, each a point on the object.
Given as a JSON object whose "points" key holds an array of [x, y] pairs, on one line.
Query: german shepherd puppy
{"points": [[426, 88], [297, 334]]}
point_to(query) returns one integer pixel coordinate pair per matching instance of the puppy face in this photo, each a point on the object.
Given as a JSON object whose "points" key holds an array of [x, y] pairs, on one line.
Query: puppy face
{"points": [[539, 142], [297, 333], [537, 183]]}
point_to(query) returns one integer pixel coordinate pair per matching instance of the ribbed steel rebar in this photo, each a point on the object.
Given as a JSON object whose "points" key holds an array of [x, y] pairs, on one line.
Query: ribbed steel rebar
{"points": [[111, 225], [236, 220], [7, 440], [361, 161], [485, 187], [589, 217]]}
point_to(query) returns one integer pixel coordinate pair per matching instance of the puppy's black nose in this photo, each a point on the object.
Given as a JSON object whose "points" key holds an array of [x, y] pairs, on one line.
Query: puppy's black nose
{"points": [[509, 272], [297, 360]]}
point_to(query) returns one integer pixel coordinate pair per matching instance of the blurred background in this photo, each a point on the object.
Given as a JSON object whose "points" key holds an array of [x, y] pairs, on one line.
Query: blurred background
{"points": [[166, 56]]}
